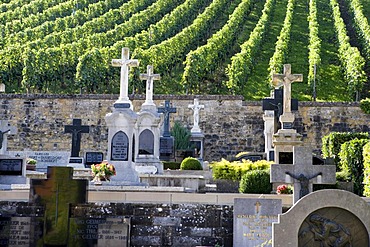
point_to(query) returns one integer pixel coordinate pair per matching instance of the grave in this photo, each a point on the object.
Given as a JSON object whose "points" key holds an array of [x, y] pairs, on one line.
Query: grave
{"points": [[5, 130], [286, 137], [76, 129], [197, 137], [253, 220], [302, 173], [167, 142], [121, 128], [324, 218], [92, 158], [148, 130], [272, 108]]}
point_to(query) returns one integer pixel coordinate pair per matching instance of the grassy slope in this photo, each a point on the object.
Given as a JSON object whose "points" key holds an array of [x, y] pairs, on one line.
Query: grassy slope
{"points": [[257, 84]]}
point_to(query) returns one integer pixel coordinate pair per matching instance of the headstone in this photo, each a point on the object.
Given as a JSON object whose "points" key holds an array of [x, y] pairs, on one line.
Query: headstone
{"points": [[167, 142], [5, 130], [125, 63], [12, 171], [92, 158], [149, 77], [56, 193], [324, 218], [76, 129], [146, 142], [120, 146], [196, 107], [302, 173], [253, 220]]}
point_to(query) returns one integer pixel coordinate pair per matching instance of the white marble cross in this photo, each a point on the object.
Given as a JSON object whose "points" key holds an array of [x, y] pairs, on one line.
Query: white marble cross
{"points": [[5, 130], [149, 77], [125, 63], [196, 107], [302, 173], [286, 79]]}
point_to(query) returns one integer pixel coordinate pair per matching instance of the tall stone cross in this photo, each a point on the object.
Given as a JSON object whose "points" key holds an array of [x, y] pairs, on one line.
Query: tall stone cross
{"points": [[125, 63], [286, 79], [196, 107], [166, 110], [302, 173], [76, 129], [149, 77], [5, 130]]}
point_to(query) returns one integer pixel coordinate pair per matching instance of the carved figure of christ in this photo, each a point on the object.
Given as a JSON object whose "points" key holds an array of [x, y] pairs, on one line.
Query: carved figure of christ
{"points": [[149, 77]]}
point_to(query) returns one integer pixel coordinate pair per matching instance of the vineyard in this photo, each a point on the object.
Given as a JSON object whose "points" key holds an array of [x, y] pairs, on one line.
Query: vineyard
{"points": [[198, 46]]}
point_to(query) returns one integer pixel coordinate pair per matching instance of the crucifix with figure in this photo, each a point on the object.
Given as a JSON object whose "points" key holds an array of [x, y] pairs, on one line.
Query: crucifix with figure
{"points": [[149, 77], [286, 79], [166, 110], [5, 130], [302, 173], [196, 108], [125, 63], [76, 129]]}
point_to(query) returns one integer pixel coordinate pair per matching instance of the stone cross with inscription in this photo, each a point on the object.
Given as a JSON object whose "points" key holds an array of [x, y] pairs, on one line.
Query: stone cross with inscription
{"points": [[196, 107], [302, 173], [166, 110], [76, 129], [286, 79], [149, 77], [125, 63], [5, 130]]}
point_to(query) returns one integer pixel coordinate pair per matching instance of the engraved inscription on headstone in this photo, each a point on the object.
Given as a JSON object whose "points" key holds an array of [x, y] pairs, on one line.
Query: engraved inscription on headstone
{"points": [[11, 166], [119, 146], [146, 142], [253, 221], [93, 158]]}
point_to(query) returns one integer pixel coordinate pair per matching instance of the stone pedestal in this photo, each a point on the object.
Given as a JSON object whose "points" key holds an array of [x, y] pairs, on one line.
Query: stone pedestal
{"points": [[121, 126], [284, 141], [269, 126], [197, 142], [147, 148]]}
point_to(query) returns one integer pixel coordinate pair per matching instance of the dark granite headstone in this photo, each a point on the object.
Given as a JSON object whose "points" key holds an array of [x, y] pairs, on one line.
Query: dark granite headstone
{"points": [[146, 142], [119, 146], [166, 148], [11, 167], [76, 129], [92, 158]]}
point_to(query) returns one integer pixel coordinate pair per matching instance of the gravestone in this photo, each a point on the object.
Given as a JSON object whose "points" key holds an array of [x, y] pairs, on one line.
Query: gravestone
{"points": [[197, 137], [125, 63], [149, 77], [5, 130], [324, 218], [253, 220], [92, 158], [196, 107], [121, 128], [302, 173], [167, 142], [12, 171], [76, 129], [56, 193], [286, 137]]}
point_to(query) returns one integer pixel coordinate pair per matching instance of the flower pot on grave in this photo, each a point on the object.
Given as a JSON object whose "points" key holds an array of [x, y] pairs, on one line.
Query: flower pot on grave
{"points": [[30, 167]]}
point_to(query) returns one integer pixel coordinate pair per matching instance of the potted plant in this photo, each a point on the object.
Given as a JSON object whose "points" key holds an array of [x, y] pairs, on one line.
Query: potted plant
{"points": [[102, 172], [31, 164], [284, 189]]}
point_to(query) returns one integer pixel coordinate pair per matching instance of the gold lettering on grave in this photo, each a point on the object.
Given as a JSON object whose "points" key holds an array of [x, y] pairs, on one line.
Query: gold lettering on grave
{"points": [[257, 227]]}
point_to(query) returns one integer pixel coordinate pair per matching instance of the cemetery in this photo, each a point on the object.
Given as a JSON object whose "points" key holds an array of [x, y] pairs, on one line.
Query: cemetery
{"points": [[95, 170]]}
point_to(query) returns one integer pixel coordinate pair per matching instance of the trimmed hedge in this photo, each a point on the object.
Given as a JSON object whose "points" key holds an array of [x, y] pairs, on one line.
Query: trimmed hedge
{"points": [[365, 105], [190, 163], [331, 143], [351, 162], [366, 155], [256, 182], [225, 169]]}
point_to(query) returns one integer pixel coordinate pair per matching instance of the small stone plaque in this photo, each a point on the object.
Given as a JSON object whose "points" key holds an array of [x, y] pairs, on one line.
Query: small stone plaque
{"points": [[93, 158], [253, 220], [120, 147], [11, 167], [166, 145]]}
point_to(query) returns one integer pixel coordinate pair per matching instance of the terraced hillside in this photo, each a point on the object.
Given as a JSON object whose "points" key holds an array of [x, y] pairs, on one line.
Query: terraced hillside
{"points": [[198, 46]]}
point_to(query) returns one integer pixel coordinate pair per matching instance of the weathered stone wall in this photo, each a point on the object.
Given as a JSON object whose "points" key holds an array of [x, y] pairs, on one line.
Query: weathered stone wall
{"points": [[230, 124]]}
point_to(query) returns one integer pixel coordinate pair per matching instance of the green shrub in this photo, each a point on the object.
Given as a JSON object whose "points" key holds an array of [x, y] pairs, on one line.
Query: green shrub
{"points": [[256, 181], [234, 170], [331, 143], [181, 135], [191, 164], [365, 105], [351, 162], [171, 165], [366, 155]]}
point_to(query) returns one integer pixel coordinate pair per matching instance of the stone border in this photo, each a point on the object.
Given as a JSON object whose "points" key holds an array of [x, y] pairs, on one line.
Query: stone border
{"points": [[285, 231]]}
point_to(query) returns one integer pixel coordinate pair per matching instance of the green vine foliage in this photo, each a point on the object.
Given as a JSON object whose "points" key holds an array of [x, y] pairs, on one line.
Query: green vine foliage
{"points": [[366, 155], [314, 46], [331, 144], [351, 162], [365, 105]]}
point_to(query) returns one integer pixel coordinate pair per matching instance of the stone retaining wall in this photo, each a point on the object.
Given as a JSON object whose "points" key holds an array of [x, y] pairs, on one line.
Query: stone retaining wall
{"points": [[230, 124]]}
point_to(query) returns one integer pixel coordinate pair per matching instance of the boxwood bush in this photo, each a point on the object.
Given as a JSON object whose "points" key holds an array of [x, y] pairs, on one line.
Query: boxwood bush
{"points": [[190, 163], [225, 169], [256, 182]]}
